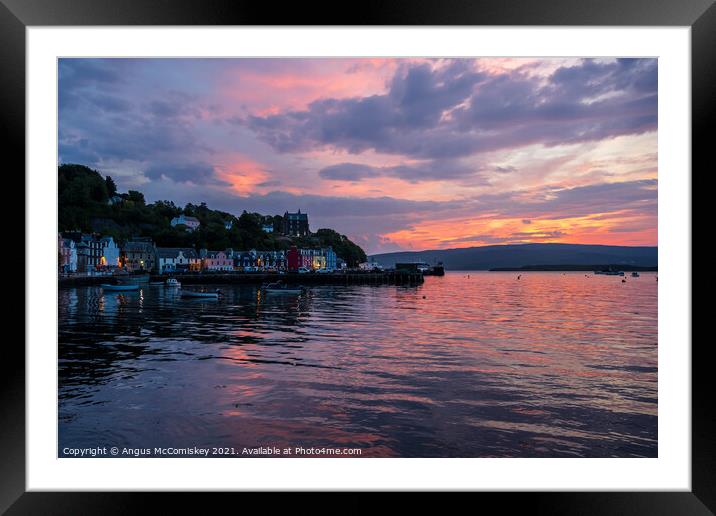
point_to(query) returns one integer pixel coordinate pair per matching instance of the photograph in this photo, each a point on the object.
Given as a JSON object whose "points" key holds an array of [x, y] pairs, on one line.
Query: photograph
{"points": [[357, 257]]}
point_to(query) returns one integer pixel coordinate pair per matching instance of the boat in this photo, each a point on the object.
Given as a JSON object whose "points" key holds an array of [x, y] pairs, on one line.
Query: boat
{"points": [[435, 270], [634, 274], [197, 294], [172, 282], [132, 277], [121, 288], [155, 283], [281, 288], [610, 273]]}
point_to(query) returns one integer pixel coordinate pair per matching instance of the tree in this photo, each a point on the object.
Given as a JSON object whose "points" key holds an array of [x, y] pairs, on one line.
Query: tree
{"points": [[136, 197], [111, 186], [343, 247], [83, 194]]}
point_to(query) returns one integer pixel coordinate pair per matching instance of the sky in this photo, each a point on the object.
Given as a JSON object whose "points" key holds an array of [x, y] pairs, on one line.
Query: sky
{"points": [[395, 153]]}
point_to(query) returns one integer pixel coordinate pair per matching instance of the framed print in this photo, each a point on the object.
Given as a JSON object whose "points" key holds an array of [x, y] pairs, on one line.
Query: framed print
{"points": [[425, 248]]}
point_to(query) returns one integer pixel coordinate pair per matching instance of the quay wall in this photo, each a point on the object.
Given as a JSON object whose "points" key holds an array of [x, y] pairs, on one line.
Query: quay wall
{"points": [[238, 278]]}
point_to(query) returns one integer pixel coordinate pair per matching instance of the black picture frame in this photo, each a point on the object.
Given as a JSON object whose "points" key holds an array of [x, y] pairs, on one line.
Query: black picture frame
{"points": [[16, 15]]}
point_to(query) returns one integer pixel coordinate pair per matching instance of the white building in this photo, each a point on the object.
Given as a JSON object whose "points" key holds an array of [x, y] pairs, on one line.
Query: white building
{"points": [[370, 266], [110, 252], [177, 259], [67, 255], [191, 223]]}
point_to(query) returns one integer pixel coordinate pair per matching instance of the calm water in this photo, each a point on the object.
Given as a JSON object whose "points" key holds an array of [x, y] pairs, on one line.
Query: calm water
{"points": [[552, 365]]}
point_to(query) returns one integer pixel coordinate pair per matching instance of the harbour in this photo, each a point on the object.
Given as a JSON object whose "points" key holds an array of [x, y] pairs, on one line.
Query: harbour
{"points": [[538, 367], [391, 277]]}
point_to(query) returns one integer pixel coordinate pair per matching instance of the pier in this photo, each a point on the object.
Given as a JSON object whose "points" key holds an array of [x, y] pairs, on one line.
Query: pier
{"points": [[399, 277]]}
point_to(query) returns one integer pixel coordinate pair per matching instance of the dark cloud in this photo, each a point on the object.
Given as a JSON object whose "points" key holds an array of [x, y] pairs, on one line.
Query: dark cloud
{"points": [[348, 172], [639, 196], [82, 75], [196, 173], [269, 183], [516, 237], [101, 122], [454, 111], [432, 170]]}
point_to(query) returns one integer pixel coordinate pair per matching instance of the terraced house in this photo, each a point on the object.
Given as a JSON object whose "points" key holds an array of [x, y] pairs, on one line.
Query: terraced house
{"points": [[139, 254], [177, 259], [217, 260]]}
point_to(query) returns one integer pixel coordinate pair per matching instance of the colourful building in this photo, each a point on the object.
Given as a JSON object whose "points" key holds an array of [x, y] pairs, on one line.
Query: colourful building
{"points": [[139, 254], [295, 224], [216, 260], [293, 259], [67, 255], [177, 259]]}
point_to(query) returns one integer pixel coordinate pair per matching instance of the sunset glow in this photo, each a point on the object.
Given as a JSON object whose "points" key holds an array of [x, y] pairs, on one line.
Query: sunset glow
{"points": [[398, 154]]}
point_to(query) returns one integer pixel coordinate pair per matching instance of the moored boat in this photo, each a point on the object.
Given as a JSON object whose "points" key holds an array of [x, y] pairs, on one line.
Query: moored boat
{"points": [[131, 278], [122, 288], [435, 270], [197, 294], [634, 274], [173, 282], [281, 288]]}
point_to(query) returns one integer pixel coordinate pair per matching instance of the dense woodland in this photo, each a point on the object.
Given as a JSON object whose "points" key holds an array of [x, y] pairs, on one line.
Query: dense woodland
{"points": [[85, 205]]}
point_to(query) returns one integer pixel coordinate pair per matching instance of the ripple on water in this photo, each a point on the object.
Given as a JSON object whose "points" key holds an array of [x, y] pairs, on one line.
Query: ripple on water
{"points": [[552, 365]]}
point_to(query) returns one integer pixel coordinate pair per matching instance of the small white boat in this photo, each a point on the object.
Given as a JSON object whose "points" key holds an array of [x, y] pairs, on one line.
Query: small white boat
{"points": [[280, 288], [107, 286], [195, 294], [172, 282]]}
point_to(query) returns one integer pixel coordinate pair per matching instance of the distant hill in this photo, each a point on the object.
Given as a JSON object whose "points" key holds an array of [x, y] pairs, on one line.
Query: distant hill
{"points": [[519, 255]]}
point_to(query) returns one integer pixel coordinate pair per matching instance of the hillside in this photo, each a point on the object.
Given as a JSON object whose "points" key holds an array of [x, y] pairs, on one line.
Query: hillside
{"points": [[519, 255], [89, 202]]}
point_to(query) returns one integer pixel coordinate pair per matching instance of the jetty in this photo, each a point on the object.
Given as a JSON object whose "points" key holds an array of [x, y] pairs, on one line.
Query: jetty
{"points": [[390, 277]]}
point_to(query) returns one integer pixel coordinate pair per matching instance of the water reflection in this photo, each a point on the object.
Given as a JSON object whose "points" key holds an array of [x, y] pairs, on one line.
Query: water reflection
{"points": [[551, 365]]}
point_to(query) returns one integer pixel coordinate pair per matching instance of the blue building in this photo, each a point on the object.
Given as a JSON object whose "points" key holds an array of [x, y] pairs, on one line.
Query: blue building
{"points": [[330, 255]]}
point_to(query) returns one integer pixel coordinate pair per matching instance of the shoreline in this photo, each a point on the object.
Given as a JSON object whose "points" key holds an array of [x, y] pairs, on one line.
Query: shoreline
{"points": [[576, 268], [242, 278]]}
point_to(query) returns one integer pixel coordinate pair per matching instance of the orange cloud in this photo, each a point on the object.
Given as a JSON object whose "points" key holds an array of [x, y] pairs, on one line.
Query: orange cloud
{"points": [[608, 229], [244, 174]]}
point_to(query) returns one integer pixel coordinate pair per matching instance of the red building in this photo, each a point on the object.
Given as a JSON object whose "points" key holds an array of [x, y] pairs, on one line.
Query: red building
{"points": [[293, 259]]}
